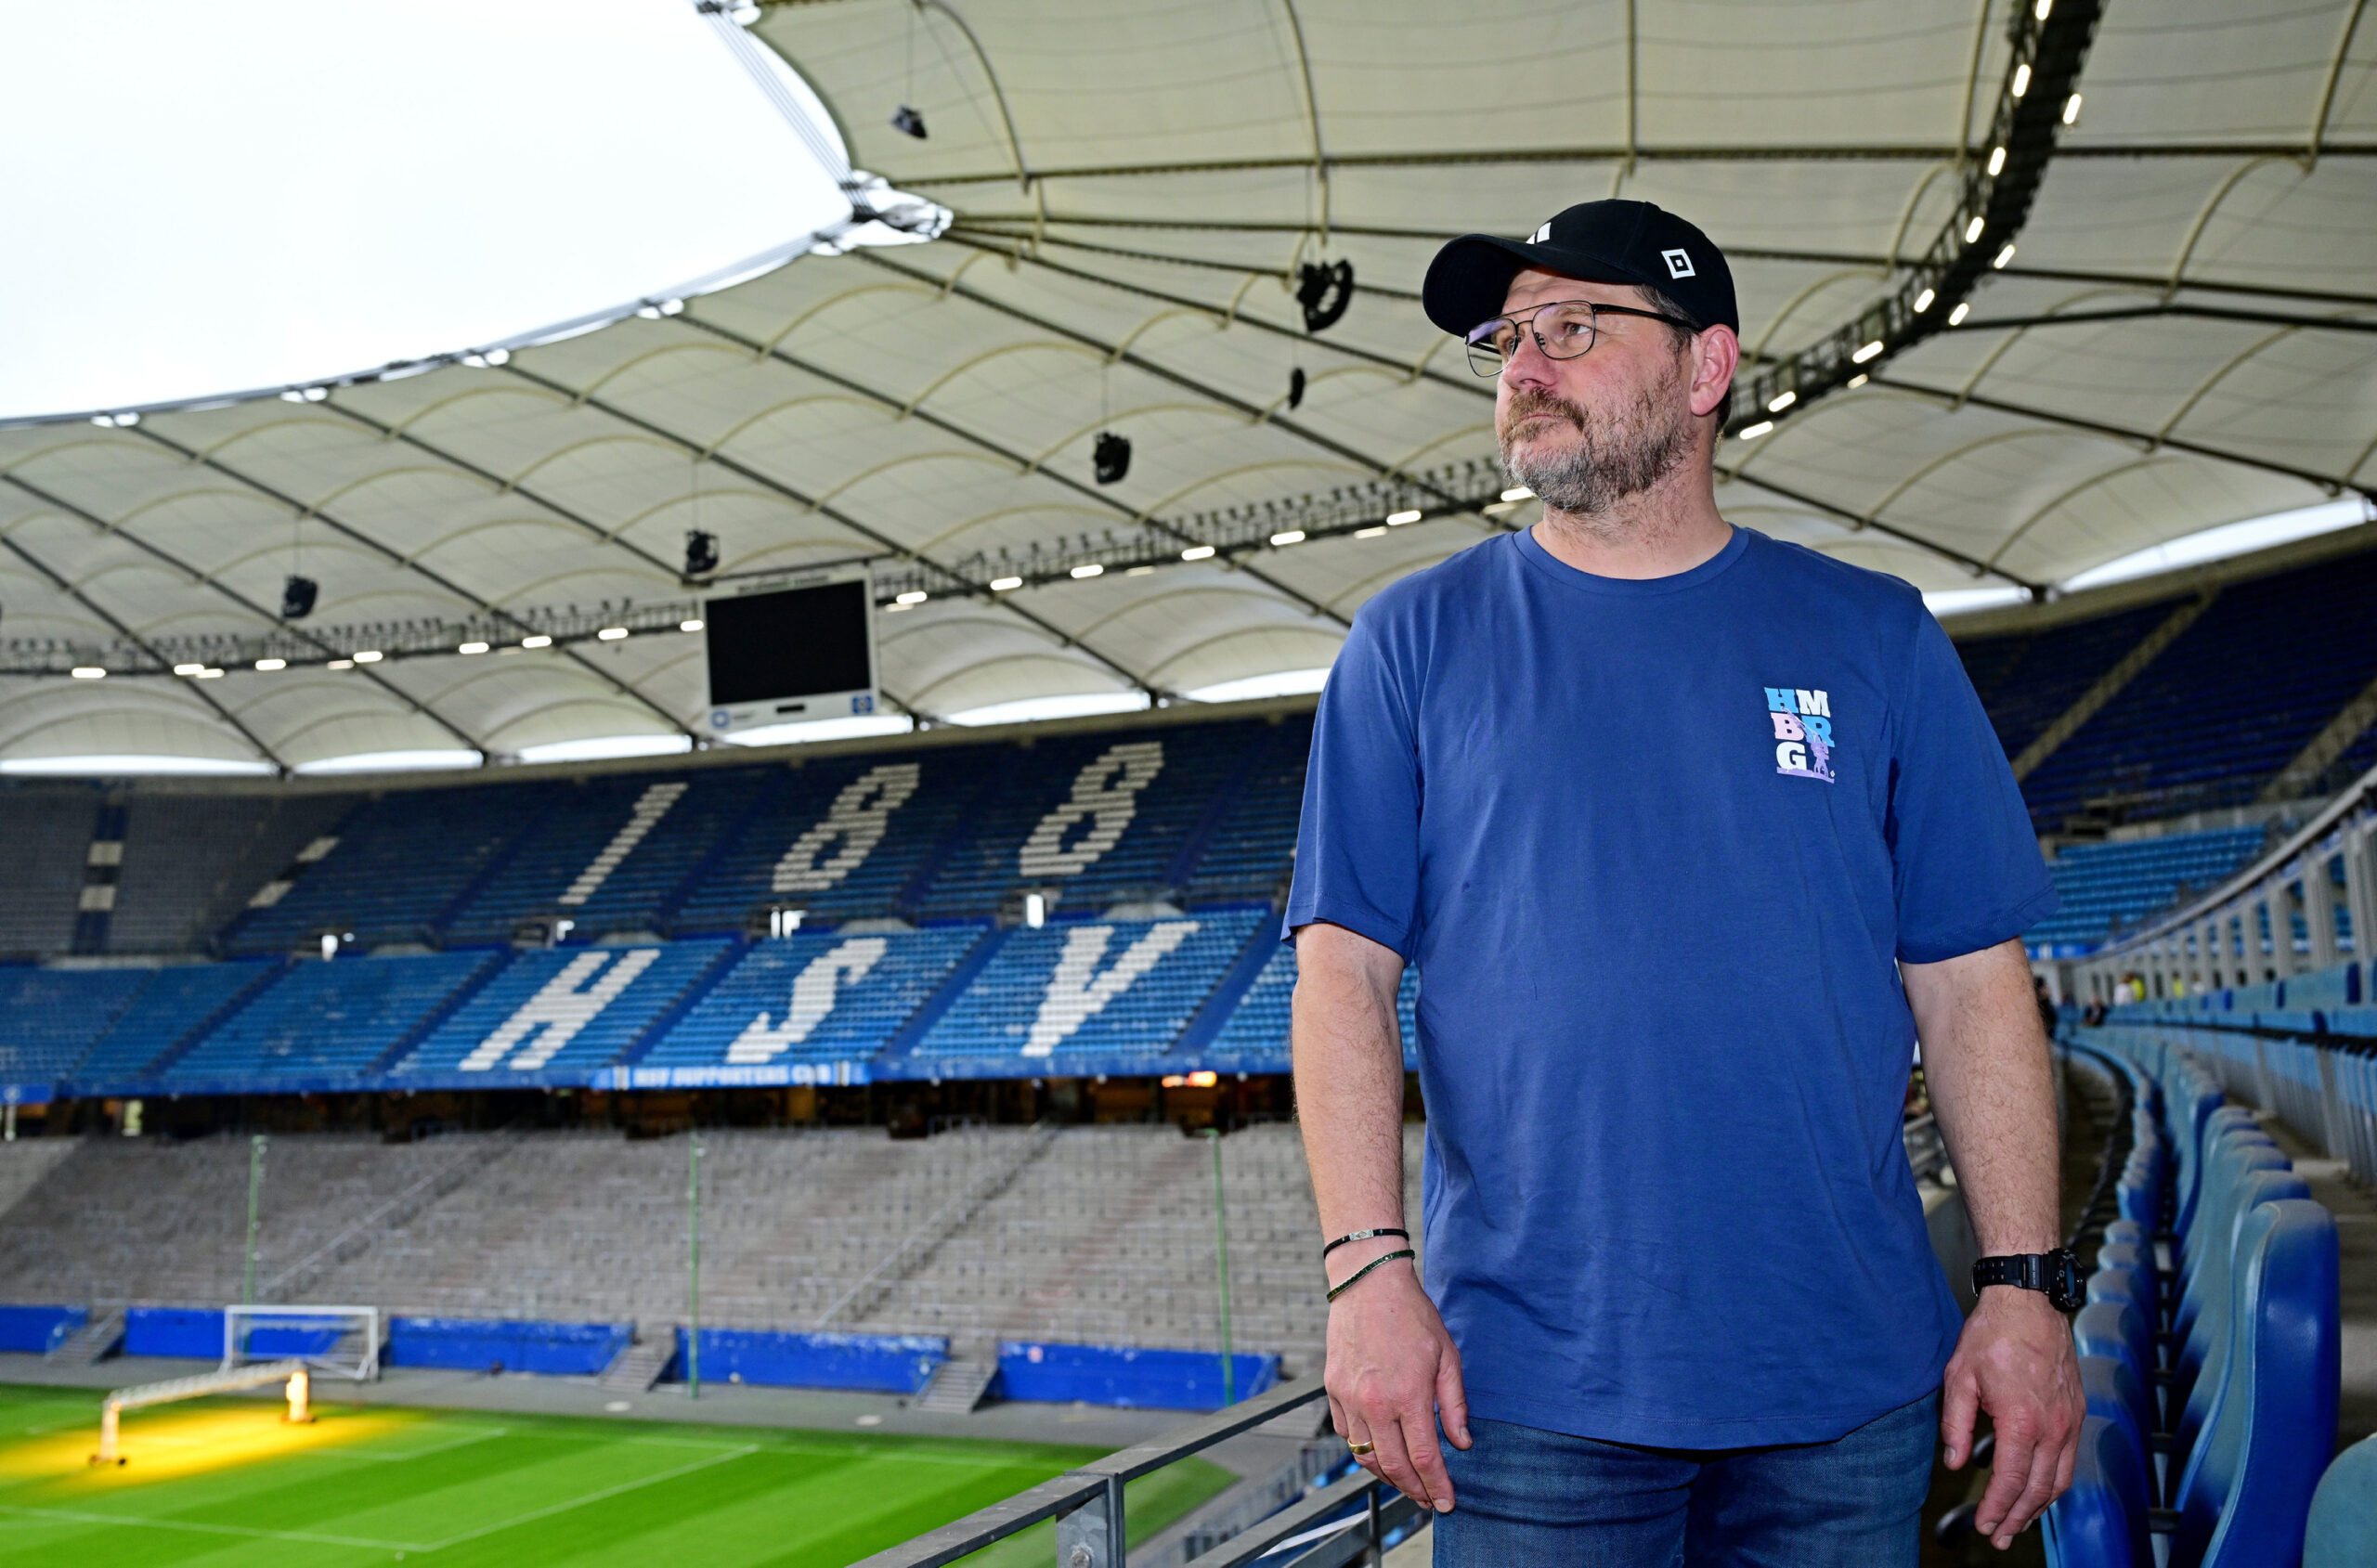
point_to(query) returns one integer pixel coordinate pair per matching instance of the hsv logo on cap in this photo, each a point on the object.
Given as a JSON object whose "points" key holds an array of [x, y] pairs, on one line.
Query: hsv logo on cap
{"points": [[1678, 263], [1540, 236]]}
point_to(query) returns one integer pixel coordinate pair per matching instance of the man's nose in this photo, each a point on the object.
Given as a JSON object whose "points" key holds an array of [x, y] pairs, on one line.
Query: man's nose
{"points": [[1528, 366]]}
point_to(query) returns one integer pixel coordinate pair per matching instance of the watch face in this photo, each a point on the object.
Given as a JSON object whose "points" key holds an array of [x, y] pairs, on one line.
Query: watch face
{"points": [[2066, 1283]]}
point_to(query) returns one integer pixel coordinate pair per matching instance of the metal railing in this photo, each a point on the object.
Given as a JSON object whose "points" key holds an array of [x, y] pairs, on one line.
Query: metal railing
{"points": [[1348, 1521]]}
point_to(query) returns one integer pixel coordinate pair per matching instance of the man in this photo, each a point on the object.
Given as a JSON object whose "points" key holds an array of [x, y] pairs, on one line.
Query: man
{"points": [[1679, 1305]]}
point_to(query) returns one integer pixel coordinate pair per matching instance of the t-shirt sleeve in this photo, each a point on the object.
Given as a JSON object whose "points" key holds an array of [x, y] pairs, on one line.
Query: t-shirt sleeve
{"points": [[1358, 848], [1967, 864]]}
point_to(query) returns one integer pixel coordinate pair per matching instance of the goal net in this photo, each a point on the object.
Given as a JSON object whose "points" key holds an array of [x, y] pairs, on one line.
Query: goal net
{"points": [[341, 1341]]}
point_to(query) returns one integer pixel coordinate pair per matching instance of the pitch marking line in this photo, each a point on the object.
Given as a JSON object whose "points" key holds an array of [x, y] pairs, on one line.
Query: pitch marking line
{"points": [[606, 1492], [477, 1434], [244, 1531]]}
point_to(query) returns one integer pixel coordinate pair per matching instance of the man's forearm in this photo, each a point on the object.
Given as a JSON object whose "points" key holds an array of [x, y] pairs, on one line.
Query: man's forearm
{"points": [[1986, 1061], [1350, 1079]]}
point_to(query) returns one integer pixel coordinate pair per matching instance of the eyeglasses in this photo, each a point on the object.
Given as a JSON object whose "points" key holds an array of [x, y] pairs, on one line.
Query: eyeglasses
{"points": [[1563, 329]]}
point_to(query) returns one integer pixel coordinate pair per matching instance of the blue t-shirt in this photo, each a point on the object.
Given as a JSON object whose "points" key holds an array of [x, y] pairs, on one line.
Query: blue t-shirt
{"points": [[1653, 847]]}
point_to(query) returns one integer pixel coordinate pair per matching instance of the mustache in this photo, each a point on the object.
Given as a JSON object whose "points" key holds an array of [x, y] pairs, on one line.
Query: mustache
{"points": [[1529, 403]]}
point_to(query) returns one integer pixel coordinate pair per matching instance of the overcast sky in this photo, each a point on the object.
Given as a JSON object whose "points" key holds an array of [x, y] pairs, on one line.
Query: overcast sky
{"points": [[210, 196]]}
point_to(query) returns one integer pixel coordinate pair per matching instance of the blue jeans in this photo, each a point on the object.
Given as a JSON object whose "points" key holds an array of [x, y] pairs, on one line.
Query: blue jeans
{"points": [[1527, 1499]]}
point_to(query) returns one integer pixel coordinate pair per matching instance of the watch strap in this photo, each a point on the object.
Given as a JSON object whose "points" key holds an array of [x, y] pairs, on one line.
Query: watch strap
{"points": [[2054, 1275]]}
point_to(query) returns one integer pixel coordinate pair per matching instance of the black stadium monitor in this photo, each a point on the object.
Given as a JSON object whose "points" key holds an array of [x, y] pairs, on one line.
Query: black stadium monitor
{"points": [[788, 654]]}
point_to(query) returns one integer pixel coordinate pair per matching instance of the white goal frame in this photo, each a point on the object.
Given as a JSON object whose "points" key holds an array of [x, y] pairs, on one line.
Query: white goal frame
{"points": [[239, 1321]]}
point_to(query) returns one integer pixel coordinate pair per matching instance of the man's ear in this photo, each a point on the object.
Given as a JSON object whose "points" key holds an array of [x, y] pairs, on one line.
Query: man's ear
{"points": [[1716, 354]]}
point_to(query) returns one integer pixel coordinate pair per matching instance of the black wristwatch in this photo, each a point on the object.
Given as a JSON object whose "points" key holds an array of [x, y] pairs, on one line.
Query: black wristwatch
{"points": [[2056, 1273]]}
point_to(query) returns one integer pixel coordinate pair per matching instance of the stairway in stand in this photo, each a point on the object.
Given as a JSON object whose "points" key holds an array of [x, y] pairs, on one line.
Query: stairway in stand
{"points": [[91, 1343], [958, 1387], [640, 1366]]}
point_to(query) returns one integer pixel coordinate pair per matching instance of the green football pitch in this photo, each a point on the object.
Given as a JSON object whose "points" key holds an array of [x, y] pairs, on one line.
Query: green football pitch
{"points": [[224, 1482]]}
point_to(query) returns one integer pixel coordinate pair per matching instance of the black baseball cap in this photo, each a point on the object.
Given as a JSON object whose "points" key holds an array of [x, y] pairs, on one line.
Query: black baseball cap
{"points": [[1613, 241]]}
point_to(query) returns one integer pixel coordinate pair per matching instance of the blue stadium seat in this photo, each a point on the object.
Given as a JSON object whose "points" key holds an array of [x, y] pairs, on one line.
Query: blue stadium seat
{"points": [[2244, 1496], [2102, 1521], [50, 1018], [324, 1021], [2107, 887], [2341, 1532], [1092, 988], [558, 1012], [2113, 1336], [172, 1008], [818, 996]]}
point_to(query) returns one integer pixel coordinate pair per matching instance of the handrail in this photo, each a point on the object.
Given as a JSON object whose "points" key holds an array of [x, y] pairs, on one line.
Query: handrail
{"points": [[2361, 794], [1079, 1492]]}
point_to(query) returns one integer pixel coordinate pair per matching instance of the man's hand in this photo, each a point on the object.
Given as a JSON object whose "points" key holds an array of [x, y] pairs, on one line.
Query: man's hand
{"points": [[2015, 1360], [1392, 1367]]}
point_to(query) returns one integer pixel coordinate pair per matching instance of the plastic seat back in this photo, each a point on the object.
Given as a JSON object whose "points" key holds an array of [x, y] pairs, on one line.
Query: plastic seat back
{"points": [[2200, 1360], [2203, 1271], [2246, 1491], [2115, 1331], [2100, 1520], [2343, 1528]]}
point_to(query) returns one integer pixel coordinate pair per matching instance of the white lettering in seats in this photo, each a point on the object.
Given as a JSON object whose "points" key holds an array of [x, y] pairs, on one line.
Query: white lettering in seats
{"points": [[1074, 997], [860, 816], [561, 1009], [1107, 795], [814, 993]]}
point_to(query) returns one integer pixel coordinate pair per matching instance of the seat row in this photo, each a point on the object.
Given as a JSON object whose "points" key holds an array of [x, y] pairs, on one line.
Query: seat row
{"points": [[2209, 1346]]}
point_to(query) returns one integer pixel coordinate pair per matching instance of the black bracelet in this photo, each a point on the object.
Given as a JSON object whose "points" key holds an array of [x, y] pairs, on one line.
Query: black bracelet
{"points": [[1356, 1278], [1364, 1235]]}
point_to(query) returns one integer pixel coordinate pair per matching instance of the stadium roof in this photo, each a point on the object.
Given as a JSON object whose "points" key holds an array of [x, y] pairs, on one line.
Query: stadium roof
{"points": [[2179, 340]]}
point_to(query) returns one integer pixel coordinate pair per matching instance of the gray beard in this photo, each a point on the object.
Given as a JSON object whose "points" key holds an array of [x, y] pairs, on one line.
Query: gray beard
{"points": [[1612, 459]]}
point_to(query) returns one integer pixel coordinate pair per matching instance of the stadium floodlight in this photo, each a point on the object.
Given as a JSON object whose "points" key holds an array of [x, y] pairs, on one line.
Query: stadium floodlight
{"points": [[1370, 533], [539, 640], [89, 672], [1781, 401], [1956, 316], [611, 634], [1518, 493], [2072, 109], [339, 664], [1866, 353], [2021, 79], [1858, 380], [210, 674], [1092, 570], [1288, 536], [1996, 162], [1923, 301], [188, 669], [1198, 552], [2003, 256], [269, 666], [472, 648], [914, 596], [689, 626], [1751, 432], [1005, 585], [1972, 229], [1396, 519], [368, 655], [2042, 8]]}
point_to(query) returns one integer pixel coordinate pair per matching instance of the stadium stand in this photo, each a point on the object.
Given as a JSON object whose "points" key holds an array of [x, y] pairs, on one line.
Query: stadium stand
{"points": [[192, 860], [2106, 886], [550, 1013], [171, 1010], [49, 1017], [1256, 1032], [2027, 679], [41, 864], [817, 997], [2211, 1346], [2229, 704], [1107, 987], [320, 1023]]}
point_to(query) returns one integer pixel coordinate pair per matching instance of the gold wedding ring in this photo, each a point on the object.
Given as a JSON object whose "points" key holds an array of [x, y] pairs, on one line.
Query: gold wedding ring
{"points": [[1361, 1448]]}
